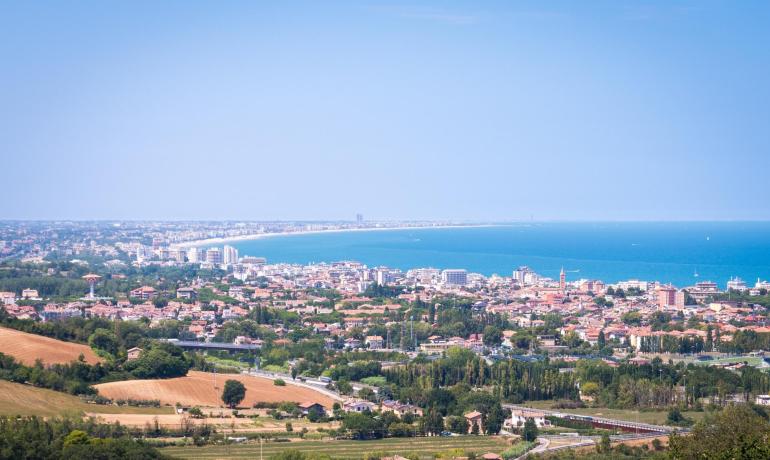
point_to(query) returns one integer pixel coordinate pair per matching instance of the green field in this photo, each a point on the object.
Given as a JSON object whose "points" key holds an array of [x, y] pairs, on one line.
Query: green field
{"points": [[652, 417], [424, 447]]}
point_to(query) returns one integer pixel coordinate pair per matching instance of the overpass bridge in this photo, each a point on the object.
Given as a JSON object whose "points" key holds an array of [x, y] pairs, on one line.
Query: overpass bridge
{"points": [[194, 345], [603, 422]]}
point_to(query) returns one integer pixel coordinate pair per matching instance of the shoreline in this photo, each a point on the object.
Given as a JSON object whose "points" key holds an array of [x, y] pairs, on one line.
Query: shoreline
{"points": [[258, 236]]}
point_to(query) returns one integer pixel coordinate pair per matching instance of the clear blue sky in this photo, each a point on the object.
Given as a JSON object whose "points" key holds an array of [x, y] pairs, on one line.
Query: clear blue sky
{"points": [[407, 110]]}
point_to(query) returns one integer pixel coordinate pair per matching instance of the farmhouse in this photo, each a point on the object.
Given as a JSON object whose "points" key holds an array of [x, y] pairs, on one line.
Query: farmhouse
{"points": [[520, 416], [474, 419], [134, 353], [358, 406], [307, 406]]}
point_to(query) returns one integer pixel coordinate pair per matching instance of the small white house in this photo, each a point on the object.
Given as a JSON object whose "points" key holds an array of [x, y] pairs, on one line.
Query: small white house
{"points": [[358, 406], [762, 400], [520, 416]]}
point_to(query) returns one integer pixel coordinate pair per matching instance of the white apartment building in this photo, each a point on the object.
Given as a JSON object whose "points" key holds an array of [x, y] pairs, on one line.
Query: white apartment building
{"points": [[454, 277], [214, 256], [230, 255]]}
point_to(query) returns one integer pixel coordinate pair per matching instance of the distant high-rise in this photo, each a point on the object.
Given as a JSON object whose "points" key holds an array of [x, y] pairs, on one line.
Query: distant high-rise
{"points": [[454, 277], [230, 255], [666, 296], [214, 256], [359, 219]]}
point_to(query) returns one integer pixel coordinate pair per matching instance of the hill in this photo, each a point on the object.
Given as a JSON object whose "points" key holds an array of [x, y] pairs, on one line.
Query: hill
{"points": [[197, 389], [18, 399], [26, 348]]}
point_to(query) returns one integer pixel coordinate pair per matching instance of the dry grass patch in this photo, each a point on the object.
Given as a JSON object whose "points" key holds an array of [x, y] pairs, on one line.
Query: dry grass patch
{"points": [[26, 348]]}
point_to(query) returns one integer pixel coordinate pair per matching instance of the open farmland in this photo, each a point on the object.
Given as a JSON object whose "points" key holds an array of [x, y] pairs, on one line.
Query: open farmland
{"points": [[26, 348], [198, 389], [424, 447], [18, 399]]}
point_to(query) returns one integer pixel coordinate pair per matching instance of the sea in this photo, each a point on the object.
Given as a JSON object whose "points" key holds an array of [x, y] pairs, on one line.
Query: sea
{"points": [[681, 253]]}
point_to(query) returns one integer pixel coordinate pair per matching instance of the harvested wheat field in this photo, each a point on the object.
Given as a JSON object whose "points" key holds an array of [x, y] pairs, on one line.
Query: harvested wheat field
{"points": [[197, 389], [26, 348], [19, 399]]}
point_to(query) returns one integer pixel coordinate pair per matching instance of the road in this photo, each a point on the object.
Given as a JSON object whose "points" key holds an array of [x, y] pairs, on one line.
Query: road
{"points": [[312, 384]]}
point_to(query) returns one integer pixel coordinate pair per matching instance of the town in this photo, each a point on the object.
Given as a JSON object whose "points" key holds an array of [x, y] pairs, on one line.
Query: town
{"points": [[362, 340]]}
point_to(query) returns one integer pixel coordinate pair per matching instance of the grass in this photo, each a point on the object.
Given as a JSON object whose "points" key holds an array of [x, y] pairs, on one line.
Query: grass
{"points": [[426, 448], [18, 399], [655, 417]]}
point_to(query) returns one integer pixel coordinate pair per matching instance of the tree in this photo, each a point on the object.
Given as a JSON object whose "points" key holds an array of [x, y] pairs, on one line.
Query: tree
{"points": [[433, 422], [493, 336], [361, 425], [736, 432], [495, 418], [233, 393], [457, 424], [314, 414], [604, 446], [529, 433], [104, 339]]}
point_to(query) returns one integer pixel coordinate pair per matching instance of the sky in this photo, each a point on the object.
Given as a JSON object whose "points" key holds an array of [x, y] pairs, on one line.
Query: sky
{"points": [[475, 111]]}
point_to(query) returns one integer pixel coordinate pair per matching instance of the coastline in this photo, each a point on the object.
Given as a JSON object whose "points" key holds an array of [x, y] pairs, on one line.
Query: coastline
{"points": [[257, 236]]}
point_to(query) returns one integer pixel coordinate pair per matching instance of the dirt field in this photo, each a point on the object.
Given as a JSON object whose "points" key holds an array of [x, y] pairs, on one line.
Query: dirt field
{"points": [[18, 399], [197, 389], [240, 425], [26, 348]]}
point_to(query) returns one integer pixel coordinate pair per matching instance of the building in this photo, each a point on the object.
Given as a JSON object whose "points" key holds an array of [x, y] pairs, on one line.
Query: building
{"points": [[307, 406], [358, 406], [520, 416], [703, 290], [29, 294], [383, 276], [666, 296], [375, 342], [737, 284], [133, 353], [186, 293], [474, 420], [143, 293], [454, 277], [762, 400], [520, 274], [194, 255], [230, 255], [178, 254], [214, 256], [399, 408]]}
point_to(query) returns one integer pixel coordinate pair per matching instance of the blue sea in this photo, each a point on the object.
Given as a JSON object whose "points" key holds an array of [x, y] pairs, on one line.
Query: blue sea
{"points": [[681, 253]]}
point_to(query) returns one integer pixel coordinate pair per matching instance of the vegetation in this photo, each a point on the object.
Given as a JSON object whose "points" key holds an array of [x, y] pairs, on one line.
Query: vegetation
{"points": [[736, 432], [233, 393], [35, 438]]}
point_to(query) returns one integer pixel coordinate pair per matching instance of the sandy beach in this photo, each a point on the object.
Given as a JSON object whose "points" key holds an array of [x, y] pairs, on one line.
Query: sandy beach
{"points": [[256, 236]]}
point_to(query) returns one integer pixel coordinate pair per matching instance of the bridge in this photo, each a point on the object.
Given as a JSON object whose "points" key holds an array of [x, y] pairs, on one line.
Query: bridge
{"points": [[603, 422], [193, 345]]}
